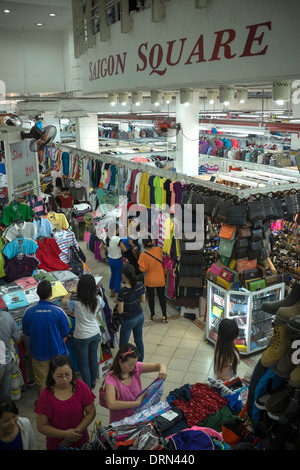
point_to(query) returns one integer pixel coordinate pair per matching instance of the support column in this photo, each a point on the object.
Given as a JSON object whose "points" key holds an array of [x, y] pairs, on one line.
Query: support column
{"points": [[87, 133], [187, 150]]}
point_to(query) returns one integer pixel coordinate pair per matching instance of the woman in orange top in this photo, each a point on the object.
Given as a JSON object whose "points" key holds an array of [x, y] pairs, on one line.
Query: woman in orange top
{"points": [[150, 262]]}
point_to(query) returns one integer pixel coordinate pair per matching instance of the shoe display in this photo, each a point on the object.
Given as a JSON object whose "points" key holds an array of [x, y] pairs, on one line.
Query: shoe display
{"points": [[285, 366], [294, 326], [294, 380], [278, 402], [288, 301], [286, 313], [292, 412], [278, 347]]}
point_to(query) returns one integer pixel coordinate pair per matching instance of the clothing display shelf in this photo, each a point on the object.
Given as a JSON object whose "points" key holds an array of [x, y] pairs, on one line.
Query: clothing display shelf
{"points": [[176, 176], [224, 165], [255, 326]]}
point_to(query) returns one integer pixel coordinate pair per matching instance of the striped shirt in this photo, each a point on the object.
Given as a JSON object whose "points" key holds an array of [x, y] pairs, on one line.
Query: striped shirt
{"points": [[132, 300], [65, 239]]}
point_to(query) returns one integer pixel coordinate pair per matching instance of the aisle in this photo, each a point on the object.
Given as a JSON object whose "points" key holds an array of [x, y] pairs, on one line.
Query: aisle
{"points": [[180, 344]]}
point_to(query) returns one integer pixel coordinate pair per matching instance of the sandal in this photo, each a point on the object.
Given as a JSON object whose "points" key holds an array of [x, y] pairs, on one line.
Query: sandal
{"points": [[164, 320], [153, 317]]}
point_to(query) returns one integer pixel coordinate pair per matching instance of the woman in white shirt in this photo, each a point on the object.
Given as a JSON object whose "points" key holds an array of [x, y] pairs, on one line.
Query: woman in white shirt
{"points": [[114, 248], [87, 330]]}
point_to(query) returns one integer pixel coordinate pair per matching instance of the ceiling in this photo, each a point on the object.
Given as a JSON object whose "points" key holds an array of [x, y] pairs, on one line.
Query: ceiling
{"points": [[26, 14]]}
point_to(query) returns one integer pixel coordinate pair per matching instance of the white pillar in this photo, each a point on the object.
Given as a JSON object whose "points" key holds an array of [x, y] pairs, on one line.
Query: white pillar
{"points": [[187, 150], [87, 133], [49, 119]]}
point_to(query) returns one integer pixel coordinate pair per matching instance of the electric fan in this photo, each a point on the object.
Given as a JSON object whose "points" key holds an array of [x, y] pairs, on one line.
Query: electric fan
{"points": [[40, 137], [165, 127]]}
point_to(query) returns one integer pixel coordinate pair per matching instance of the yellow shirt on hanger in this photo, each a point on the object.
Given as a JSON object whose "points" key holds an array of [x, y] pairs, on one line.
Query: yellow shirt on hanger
{"points": [[145, 190], [58, 220], [163, 193]]}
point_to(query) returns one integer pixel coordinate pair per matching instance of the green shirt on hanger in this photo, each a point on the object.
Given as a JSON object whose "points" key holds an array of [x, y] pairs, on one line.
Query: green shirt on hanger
{"points": [[14, 212]]}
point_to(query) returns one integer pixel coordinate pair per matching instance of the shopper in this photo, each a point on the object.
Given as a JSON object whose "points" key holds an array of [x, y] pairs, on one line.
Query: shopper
{"points": [[47, 327], [129, 307], [123, 382], [16, 432], [114, 247], [9, 331], [65, 408], [226, 355], [150, 262], [87, 331]]}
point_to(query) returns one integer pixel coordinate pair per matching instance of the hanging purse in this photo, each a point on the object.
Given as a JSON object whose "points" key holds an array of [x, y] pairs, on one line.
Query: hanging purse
{"points": [[255, 246], [242, 252], [237, 214], [257, 235], [227, 231], [226, 247], [244, 232], [222, 210], [256, 210]]}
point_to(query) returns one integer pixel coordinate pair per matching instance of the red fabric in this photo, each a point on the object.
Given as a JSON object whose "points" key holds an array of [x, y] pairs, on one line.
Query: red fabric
{"points": [[48, 255], [66, 202], [203, 403]]}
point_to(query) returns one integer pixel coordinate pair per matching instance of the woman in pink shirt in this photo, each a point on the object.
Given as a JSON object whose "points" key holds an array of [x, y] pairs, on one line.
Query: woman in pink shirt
{"points": [[123, 382], [65, 407]]}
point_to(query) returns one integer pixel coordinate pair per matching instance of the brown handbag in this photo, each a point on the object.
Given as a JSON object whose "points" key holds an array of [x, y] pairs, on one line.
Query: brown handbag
{"points": [[244, 232]]}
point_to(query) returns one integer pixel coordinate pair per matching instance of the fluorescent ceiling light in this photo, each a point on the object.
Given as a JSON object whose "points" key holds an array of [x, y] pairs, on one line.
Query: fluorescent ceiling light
{"points": [[51, 14], [6, 11], [280, 102]]}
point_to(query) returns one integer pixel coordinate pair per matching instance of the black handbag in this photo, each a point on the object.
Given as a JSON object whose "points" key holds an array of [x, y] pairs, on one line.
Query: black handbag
{"points": [[251, 274], [222, 210], [269, 207], [237, 214], [242, 242], [255, 246], [253, 254], [278, 213], [256, 210], [257, 235], [210, 204], [241, 253]]}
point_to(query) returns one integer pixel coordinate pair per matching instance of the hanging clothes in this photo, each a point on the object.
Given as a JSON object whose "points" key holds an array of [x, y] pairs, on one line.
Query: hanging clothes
{"points": [[65, 239], [16, 211], [43, 228], [24, 229], [20, 245], [48, 255], [58, 220]]}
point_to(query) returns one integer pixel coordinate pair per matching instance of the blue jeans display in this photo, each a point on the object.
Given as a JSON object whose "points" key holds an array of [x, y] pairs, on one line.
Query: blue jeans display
{"points": [[87, 350], [116, 275], [134, 325]]}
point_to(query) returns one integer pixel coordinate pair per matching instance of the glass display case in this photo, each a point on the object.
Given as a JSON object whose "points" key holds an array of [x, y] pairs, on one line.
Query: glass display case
{"points": [[255, 326]]}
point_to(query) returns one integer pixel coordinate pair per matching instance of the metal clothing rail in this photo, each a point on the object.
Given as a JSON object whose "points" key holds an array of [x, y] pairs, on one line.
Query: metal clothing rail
{"points": [[240, 193]]}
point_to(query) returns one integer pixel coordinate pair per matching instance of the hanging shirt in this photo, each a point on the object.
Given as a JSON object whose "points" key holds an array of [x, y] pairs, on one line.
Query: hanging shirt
{"points": [[15, 212], [43, 227], [58, 220], [144, 195], [65, 239], [37, 205], [17, 268], [48, 255], [20, 245], [26, 230]]}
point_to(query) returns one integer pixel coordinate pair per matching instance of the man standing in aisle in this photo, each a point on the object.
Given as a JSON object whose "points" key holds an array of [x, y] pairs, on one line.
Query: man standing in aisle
{"points": [[9, 333], [47, 327]]}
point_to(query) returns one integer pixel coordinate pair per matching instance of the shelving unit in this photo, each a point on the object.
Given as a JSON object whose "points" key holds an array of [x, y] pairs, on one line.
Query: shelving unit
{"points": [[244, 307]]}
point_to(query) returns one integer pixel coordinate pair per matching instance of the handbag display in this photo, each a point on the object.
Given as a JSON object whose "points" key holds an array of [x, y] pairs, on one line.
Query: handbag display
{"points": [[244, 232], [227, 231], [226, 247], [243, 264], [255, 284], [257, 235], [256, 210], [250, 274], [237, 215]]}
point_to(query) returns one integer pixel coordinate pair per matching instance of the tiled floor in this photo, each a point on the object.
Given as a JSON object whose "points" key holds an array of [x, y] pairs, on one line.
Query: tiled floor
{"points": [[180, 344]]}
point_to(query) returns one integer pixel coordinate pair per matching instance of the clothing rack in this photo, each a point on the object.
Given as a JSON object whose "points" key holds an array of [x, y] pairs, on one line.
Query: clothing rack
{"points": [[175, 176]]}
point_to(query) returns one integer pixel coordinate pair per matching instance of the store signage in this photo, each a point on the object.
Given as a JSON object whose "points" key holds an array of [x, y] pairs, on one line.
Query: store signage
{"points": [[23, 163], [157, 58]]}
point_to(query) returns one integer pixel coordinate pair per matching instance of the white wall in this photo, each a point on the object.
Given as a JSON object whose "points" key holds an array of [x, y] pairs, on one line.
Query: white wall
{"points": [[32, 61]]}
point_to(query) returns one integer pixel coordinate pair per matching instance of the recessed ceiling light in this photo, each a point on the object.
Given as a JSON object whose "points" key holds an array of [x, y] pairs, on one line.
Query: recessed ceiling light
{"points": [[51, 14], [39, 24], [6, 11]]}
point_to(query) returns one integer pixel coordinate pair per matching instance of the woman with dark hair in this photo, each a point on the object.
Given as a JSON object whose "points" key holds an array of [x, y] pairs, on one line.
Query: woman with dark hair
{"points": [[123, 382], [150, 262], [226, 355], [15, 432], [115, 248], [87, 331], [65, 407], [129, 307]]}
